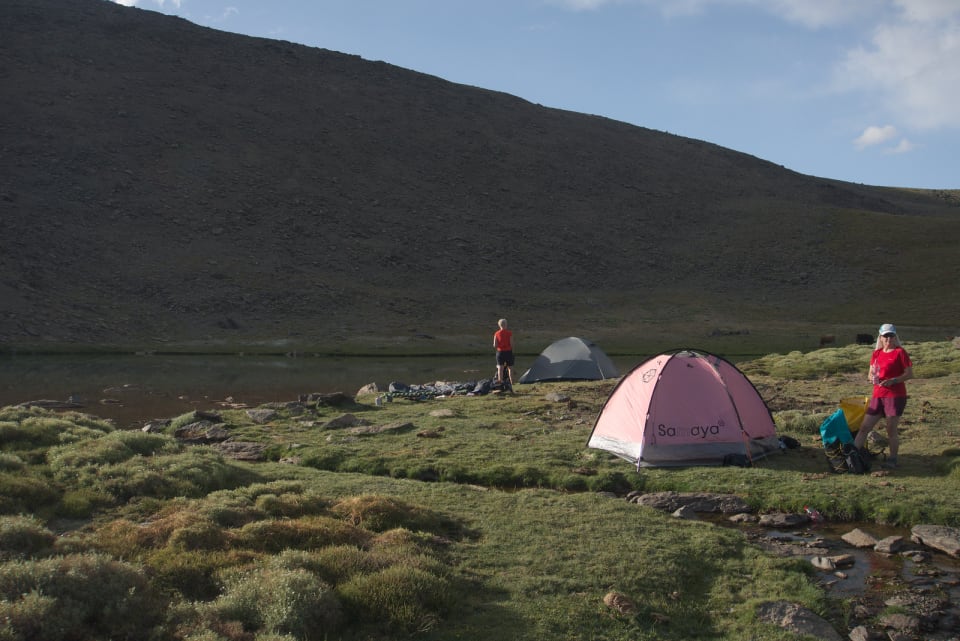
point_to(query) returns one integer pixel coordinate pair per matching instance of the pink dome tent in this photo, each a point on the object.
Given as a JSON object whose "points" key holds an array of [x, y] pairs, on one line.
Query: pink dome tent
{"points": [[684, 407]]}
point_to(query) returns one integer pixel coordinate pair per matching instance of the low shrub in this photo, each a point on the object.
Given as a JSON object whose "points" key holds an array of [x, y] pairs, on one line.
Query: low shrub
{"points": [[278, 601], [310, 532], [23, 536], [380, 513], [11, 462], [85, 596], [327, 458], [615, 482], [570, 482], [203, 535], [333, 564], [194, 472], [25, 493], [291, 504], [82, 503], [191, 574], [401, 598]]}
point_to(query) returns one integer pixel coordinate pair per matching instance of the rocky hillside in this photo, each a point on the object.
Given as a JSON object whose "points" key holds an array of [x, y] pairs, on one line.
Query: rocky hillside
{"points": [[164, 186]]}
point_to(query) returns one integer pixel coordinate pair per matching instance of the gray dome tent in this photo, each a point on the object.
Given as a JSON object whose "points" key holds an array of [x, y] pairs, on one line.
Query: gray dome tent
{"points": [[571, 359]]}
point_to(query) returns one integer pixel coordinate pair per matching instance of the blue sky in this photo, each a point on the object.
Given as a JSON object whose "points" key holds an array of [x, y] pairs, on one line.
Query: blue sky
{"points": [[865, 91]]}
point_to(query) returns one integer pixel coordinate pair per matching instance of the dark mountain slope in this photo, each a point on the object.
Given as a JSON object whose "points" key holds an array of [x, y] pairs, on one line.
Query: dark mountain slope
{"points": [[163, 183]]}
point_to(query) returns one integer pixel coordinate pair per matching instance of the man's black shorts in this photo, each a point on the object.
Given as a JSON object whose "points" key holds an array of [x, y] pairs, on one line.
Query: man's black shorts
{"points": [[505, 358]]}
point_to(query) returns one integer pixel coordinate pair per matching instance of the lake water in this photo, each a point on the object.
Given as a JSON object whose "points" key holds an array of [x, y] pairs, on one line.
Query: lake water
{"points": [[133, 389]]}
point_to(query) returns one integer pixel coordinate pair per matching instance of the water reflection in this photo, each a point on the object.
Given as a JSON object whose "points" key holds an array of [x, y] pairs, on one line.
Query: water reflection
{"points": [[132, 389]]}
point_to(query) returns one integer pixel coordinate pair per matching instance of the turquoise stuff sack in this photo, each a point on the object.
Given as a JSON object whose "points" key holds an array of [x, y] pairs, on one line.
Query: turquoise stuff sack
{"points": [[842, 455]]}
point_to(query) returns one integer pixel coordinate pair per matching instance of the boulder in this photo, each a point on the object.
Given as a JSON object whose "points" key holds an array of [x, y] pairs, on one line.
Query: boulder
{"points": [[201, 433], [366, 430], [889, 545], [697, 501], [344, 420], [685, 512], [939, 537], [859, 538], [334, 399], [369, 388], [262, 415], [241, 450], [797, 619], [783, 520]]}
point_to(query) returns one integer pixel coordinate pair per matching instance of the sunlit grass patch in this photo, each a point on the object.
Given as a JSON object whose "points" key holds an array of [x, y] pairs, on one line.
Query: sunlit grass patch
{"points": [[277, 601], [311, 532], [380, 513]]}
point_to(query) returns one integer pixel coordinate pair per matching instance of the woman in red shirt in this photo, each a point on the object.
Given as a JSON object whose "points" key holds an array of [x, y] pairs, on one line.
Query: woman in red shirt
{"points": [[890, 366], [503, 343]]}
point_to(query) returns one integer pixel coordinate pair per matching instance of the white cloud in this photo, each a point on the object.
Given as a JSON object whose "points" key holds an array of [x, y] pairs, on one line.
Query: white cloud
{"points": [[820, 13], [810, 13], [911, 65], [159, 3], [874, 135], [927, 10], [902, 147]]}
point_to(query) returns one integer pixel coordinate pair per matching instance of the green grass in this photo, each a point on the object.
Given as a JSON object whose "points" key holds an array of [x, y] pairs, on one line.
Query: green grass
{"points": [[486, 520]]}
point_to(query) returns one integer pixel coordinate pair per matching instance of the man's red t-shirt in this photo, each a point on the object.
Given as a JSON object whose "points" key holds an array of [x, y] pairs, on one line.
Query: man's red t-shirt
{"points": [[502, 339]]}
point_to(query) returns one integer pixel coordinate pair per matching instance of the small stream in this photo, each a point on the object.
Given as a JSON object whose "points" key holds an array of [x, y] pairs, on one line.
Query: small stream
{"points": [[917, 578]]}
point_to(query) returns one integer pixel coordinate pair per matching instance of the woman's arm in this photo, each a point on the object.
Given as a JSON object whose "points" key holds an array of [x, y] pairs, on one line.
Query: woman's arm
{"points": [[906, 376]]}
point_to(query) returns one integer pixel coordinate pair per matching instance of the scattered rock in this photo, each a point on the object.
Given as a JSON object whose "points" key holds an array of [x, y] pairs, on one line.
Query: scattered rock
{"points": [[554, 397], [860, 633], [783, 520], [156, 426], [443, 413], [903, 623], [939, 537], [889, 545], [335, 399], [796, 619], [262, 415], [345, 420], [369, 388], [859, 538], [685, 512], [843, 560], [241, 450], [365, 430], [823, 563], [744, 517], [619, 602], [201, 433]]}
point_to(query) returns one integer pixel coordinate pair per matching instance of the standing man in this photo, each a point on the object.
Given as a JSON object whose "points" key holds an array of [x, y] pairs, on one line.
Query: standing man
{"points": [[503, 343]]}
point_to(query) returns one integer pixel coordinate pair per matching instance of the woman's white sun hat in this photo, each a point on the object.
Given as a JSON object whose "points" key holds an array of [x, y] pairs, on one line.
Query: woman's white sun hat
{"points": [[888, 328]]}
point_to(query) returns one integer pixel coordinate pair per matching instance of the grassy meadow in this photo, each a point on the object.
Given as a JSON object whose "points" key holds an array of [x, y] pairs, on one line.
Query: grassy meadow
{"points": [[453, 518]]}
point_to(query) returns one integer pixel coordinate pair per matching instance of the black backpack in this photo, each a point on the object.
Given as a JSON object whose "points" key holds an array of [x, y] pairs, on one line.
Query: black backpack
{"points": [[848, 458]]}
